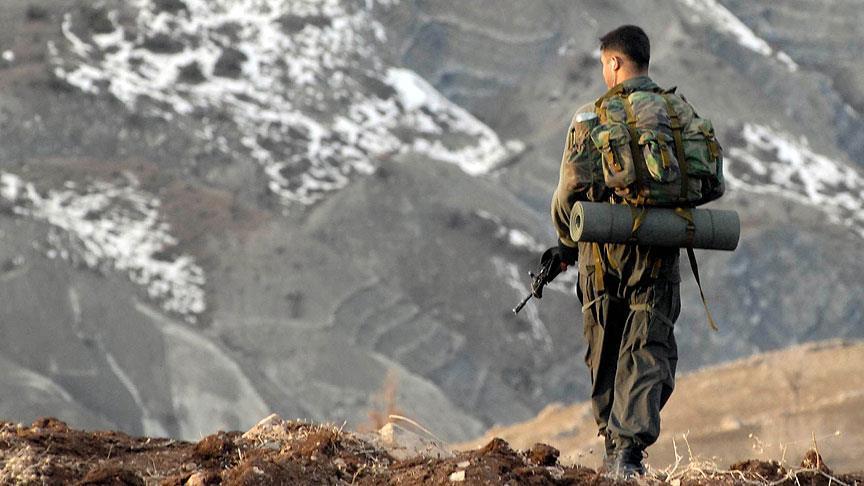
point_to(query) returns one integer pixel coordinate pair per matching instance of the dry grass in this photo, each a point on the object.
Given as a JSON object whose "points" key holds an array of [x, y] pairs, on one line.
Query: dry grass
{"points": [[694, 468]]}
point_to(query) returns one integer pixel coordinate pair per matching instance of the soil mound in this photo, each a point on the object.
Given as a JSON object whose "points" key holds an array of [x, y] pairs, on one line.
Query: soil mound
{"points": [[277, 452]]}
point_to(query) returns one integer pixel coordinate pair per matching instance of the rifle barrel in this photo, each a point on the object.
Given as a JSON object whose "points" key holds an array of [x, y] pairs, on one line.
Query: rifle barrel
{"points": [[522, 304]]}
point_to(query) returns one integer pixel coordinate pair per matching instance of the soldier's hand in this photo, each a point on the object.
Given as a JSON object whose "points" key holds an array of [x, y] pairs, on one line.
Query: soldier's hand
{"points": [[552, 258], [561, 257]]}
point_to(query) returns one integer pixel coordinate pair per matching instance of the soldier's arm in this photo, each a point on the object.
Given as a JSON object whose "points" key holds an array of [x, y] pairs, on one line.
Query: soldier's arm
{"points": [[576, 178]]}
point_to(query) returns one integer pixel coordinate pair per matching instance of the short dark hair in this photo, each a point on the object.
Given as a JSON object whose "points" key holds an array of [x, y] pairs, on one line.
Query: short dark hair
{"points": [[631, 41]]}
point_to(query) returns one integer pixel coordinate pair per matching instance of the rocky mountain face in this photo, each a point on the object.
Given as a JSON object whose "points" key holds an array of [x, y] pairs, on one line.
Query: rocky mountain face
{"points": [[216, 209]]}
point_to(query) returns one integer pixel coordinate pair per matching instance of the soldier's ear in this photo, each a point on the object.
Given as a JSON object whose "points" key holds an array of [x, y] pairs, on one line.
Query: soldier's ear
{"points": [[614, 62]]}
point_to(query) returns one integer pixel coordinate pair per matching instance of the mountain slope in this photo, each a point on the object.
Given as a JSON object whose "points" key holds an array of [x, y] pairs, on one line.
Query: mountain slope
{"points": [[252, 206], [770, 406]]}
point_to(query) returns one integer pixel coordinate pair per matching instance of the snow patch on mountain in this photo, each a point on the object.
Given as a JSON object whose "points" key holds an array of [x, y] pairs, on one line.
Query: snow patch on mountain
{"points": [[720, 18], [514, 237], [116, 227], [302, 83], [775, 162], [416, 94]]}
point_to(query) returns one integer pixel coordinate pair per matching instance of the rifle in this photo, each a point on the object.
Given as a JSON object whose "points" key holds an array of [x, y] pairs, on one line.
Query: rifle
{"points": [[538, 282]]}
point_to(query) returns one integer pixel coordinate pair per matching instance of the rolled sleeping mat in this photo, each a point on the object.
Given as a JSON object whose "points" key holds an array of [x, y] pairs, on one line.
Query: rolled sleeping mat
{"points": [[598, 222]]}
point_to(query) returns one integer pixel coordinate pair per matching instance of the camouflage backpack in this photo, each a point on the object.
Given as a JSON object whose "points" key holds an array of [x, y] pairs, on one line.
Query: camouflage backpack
{"points": [[655, 149]]}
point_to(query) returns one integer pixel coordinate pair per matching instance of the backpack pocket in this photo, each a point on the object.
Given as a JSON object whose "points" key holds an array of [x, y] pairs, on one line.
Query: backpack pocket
{"points": [[704, 158], [658, 150], [701, 148], [613, 142]]}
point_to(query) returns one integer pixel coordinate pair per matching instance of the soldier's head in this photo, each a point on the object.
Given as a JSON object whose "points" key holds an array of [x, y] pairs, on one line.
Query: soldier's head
{"points": [[624, 53]]}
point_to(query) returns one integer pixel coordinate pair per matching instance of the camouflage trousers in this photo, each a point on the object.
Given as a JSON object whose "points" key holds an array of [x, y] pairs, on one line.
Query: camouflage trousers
{"points": [[632, 356]]}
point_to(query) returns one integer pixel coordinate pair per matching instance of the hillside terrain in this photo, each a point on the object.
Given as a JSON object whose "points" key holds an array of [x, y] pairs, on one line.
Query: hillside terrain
{"points": [[279, 452], [772, 406], [215, 209]]}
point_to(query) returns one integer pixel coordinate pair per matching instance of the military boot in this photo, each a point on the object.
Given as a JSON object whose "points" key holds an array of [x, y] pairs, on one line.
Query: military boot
{"points": [[627, 463], [609, 453]]}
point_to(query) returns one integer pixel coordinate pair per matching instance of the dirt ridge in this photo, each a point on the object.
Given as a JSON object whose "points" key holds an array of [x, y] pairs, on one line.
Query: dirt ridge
{"points": [[276, 452]]}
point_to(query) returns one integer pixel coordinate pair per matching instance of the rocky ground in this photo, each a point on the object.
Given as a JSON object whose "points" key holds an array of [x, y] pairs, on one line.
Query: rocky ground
{"points": [[290, 452]]}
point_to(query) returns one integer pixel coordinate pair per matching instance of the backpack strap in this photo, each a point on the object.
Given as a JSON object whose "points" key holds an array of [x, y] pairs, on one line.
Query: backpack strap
{"points": [[675, 124], [599, 269], [687, 215], [638, 156], [638, 214], [693, 266], [617, 90], [613, 92]]}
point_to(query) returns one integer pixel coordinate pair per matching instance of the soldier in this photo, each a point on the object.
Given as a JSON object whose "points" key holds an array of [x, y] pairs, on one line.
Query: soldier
{"points": [[629, 292]]}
